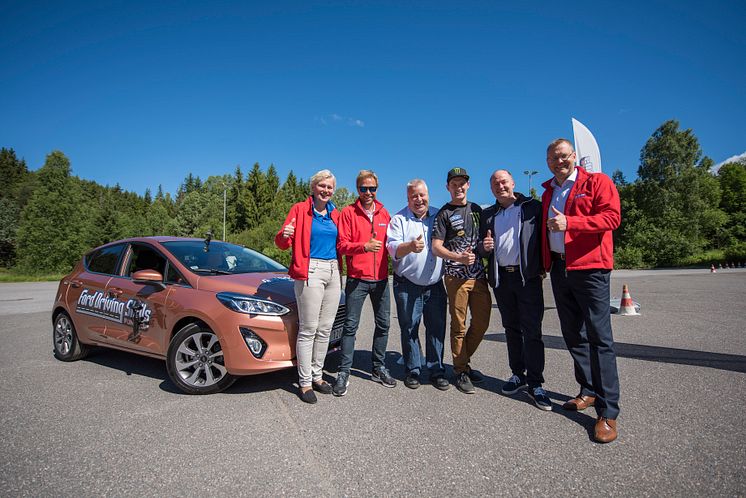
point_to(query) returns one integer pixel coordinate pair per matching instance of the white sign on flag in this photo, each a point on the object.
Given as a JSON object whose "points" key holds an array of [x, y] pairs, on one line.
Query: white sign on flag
{"points": [[586, 148]]}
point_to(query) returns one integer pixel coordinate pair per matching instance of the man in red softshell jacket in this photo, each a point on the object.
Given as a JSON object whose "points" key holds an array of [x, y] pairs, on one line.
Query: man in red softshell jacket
{"points": [[580, 211], [362, 241]]}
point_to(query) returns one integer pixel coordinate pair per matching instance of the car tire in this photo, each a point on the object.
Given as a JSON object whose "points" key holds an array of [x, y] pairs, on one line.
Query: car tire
{"points": [[195, 361], [67, 346]]}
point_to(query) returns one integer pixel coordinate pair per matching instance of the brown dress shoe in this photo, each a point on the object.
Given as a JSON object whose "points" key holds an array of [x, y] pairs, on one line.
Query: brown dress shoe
{"points": [[579, 403], [605, 430]]}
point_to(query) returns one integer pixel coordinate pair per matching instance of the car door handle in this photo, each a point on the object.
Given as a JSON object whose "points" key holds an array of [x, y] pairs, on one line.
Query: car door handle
{"points": [[76, 283], [115, 292]]}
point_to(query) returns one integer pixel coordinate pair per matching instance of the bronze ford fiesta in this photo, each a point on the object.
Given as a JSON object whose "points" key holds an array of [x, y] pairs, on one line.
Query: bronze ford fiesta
{"points": [[212, 310]]}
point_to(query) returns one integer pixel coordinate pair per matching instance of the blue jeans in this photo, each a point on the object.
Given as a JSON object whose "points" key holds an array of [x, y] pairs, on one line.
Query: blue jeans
{"points": [[412, 303], [355, 293]]}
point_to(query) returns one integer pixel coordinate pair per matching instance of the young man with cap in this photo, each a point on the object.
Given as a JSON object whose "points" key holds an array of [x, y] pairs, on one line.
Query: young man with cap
{"points": [[455, 238]]}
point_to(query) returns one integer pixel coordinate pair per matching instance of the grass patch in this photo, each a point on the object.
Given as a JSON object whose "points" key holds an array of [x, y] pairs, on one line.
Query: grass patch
{"points": [[13, 276]]}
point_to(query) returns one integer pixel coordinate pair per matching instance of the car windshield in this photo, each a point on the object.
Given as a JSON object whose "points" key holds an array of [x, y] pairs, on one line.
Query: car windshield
{"points": [[221, 258]]}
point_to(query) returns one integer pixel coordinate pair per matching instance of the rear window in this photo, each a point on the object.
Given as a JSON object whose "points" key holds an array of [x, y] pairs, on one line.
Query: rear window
{"points": [[104, 260]]}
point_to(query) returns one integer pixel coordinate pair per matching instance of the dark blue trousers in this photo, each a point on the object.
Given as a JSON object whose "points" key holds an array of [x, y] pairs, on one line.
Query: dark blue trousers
{"points": [[355, 293], [522, 310], [582, 298]]}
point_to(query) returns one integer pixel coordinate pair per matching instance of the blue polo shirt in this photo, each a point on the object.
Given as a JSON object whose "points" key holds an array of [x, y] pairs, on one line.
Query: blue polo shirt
{"points": [[323, 235]]}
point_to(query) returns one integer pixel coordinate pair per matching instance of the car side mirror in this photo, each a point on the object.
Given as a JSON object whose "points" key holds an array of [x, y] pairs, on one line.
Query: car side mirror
{"points": [[149, 277]]}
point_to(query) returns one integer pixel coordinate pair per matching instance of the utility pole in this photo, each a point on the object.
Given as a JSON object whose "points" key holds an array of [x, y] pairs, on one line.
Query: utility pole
{"points": [[224, 209], [530, 173]]}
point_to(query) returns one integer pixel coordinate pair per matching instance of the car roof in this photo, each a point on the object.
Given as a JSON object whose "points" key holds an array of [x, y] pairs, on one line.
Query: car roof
{"points": [[157, 238]]}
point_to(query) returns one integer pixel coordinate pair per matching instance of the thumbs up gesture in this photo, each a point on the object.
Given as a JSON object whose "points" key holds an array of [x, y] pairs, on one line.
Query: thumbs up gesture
{"points": [[373, 245], [289, 229], [418, 244], [558, 223], [468, 257], [488, 242]]}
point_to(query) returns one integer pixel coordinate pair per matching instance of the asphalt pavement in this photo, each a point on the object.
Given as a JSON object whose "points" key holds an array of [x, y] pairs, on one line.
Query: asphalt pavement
{"points": [[114, 425]]}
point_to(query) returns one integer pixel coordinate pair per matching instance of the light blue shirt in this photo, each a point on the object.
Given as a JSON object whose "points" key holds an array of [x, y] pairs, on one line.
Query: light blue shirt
{"points": [[506, 231], [559, 199], [422, 268]]}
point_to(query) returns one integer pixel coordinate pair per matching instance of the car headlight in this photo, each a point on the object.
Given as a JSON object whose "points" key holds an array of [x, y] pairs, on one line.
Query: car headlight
{"points": [[241, 303]]}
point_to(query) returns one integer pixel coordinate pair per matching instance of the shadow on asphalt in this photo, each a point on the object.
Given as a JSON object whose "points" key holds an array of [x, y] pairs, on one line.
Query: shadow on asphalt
{"points": [[720, 361]]}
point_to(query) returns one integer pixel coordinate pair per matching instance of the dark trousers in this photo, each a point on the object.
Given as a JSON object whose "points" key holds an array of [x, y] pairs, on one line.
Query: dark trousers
{"points": [[355, 293], [582, 298], [415, 303], [522, 310]]}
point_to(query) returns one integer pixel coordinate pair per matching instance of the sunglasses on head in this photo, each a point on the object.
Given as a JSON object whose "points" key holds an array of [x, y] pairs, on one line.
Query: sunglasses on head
{"points": [[367, 189]]}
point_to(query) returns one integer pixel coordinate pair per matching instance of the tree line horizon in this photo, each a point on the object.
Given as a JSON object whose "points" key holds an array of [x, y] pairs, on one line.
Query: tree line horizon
{"points": [[677, 212]]}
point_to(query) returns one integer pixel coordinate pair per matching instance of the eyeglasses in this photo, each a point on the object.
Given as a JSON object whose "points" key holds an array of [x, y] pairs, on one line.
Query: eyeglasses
{"points": [[363, 190], [562, 158]]}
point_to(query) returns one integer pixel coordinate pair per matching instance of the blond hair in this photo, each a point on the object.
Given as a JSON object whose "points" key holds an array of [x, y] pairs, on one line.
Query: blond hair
{"points": [[365, 174], [322, 175]]}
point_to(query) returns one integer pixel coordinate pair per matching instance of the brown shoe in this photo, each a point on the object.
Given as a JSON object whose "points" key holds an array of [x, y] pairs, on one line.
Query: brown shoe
{"points": [[605, 430], [579, 403]]}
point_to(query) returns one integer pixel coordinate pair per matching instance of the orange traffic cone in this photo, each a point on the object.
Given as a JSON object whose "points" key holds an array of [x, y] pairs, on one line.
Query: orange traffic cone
{"points": [[712, 269], [627, 307]]}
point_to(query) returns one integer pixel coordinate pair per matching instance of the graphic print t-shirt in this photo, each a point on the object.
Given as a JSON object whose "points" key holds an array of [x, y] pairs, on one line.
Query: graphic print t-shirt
{"points": [[458, 228]]}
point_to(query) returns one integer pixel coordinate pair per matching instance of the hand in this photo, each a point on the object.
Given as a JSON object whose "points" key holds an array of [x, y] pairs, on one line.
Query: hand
{"points": [[558, 223], [488, 243], [418, 245], [373, 245], [289, 229], [467, 257]]}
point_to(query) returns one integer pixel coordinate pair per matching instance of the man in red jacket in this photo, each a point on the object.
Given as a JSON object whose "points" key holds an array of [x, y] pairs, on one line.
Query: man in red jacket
{"points": [[580, 211], [362, 240]]}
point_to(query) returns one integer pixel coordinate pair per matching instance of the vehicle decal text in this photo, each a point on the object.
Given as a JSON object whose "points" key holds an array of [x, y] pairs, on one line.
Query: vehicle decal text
{"points": [[113, 309]]}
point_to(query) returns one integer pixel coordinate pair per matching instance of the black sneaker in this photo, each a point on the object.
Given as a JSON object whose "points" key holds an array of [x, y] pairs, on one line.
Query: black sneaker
{"points": [[412, 380], [475, 377], [463, 383], [513, 385], [340, 386], [540, 398], [382, 375], [440, 382]]}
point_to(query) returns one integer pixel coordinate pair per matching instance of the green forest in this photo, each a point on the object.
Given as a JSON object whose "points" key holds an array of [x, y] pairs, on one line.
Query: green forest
{"points": [[675, 213]]}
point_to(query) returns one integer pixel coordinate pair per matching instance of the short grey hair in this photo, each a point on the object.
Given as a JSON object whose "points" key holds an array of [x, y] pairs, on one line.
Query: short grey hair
{"points": [[505, 170], [415, 182], [322, 175]]}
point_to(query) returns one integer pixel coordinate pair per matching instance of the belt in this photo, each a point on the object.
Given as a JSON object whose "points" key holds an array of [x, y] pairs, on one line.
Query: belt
{"points": [[509, 269], [558, 256]]}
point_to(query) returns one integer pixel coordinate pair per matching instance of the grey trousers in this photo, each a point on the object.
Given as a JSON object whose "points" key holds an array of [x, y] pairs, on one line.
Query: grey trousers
{"points": [[318, 300]]}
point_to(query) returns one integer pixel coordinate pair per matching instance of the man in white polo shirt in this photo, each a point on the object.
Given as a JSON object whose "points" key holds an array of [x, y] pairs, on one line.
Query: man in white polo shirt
{"points": [[418, 286]]}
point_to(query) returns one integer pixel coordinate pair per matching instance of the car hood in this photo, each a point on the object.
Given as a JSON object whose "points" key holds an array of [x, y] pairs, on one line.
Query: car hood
{"points": [[276, 287]]}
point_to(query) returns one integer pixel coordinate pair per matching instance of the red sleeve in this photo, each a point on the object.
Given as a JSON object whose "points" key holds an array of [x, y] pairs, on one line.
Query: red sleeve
{"points": [[606, 207], [280, 241]]}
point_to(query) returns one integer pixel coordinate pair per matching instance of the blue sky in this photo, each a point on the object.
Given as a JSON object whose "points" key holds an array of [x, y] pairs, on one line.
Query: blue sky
{"points": [[142, 93]]}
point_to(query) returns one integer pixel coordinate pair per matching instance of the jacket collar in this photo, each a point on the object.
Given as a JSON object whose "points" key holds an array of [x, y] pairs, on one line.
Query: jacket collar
{"points": [[359, 206], [582, 176], [329, 205]]}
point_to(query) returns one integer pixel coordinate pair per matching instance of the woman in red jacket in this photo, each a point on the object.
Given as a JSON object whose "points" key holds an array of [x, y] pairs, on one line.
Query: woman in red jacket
{"points": [[311, 230]]}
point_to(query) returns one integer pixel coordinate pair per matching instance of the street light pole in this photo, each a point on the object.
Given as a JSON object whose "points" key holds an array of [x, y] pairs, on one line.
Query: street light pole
{"points": [[224, 209], [530, 173]]}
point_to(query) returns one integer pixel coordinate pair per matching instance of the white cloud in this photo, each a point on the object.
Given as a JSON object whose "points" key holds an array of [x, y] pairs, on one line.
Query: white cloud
{"points": [[336, 118], [732, 159]]}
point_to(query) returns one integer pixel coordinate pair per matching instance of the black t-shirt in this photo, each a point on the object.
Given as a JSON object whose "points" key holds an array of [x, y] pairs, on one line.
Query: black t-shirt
{"points": [[458, 228]]}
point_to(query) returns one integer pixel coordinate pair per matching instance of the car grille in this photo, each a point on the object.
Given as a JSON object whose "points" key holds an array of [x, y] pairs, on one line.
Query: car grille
{"points": [[339, 320]]}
